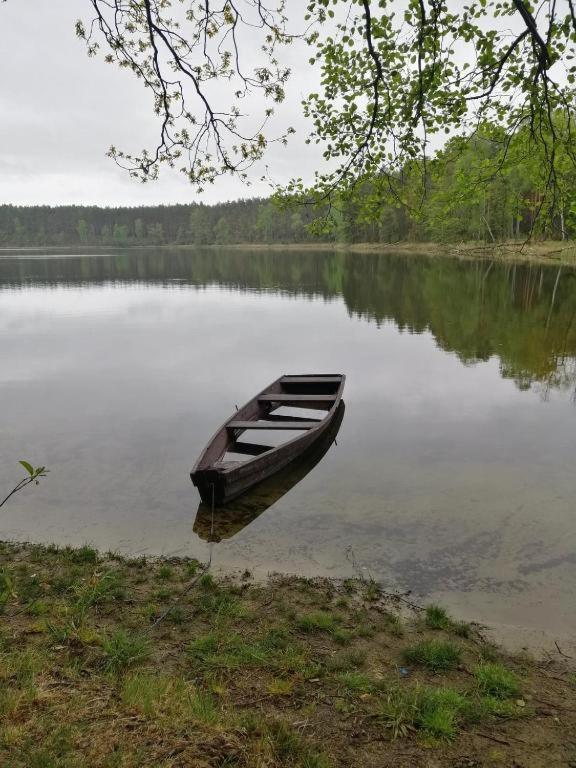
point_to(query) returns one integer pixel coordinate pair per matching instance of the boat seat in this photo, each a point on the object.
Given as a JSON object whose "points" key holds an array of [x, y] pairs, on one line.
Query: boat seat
{"points": [[311, 379], [293, 424], [250, 449], [284, 398], [280, 417]]}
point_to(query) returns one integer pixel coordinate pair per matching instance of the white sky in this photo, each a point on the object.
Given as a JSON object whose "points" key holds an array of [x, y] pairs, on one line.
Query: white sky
{"points": [[60, 111]]}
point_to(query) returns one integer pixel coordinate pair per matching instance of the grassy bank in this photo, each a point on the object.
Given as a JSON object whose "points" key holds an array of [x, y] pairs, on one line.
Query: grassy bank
{"points": [[291, 672]]}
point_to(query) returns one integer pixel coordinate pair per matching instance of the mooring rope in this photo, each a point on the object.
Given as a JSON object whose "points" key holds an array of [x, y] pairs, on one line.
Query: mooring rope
{"points": [[202, 571]]}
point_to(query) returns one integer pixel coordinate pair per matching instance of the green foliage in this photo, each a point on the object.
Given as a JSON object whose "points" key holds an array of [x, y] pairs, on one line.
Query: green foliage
{"points": [[84, 554], [99, 589], [495, 680], [165, 572], [433, 654], [231, 651], [318, 621], [437, 712], [437, 618], [122, 650], [33, 476], [357, 682]]}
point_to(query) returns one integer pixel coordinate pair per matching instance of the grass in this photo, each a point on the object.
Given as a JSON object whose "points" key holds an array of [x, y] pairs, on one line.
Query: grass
{"points": [[433, 654], [495, 680], [318, 621], [165, 572], [122, 650], [99, 589], [438, 712], [290, 673], [357, 682], [85, 554], [230, 652], [436, 617]]}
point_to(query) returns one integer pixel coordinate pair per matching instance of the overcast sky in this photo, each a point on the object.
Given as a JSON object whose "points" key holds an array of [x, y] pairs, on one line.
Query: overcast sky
{"points": [[60, 111]]}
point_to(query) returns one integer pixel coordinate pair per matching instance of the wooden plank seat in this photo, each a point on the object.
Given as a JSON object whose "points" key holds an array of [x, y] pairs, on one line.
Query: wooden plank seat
{"points": [[279, 417], [249, 449], [284, 398], [292, 424], [311, 379]]}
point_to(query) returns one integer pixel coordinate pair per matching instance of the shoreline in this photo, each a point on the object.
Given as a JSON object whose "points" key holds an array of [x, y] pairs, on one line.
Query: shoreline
{"points": [[544, 252], [111, 661]]}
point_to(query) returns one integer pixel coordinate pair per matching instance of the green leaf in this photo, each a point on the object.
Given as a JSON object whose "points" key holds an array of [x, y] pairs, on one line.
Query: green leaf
{"points": [[28, 467]]}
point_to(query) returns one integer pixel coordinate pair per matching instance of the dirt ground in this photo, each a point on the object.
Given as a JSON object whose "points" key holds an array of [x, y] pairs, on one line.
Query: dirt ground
{"points": [[123, 663]]}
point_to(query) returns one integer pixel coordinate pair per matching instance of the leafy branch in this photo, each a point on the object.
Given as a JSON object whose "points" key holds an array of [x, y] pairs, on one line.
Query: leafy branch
{"points": [[34, 475]]}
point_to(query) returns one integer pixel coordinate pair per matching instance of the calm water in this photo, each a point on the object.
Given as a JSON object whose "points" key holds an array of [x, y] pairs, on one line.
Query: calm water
{"points": [[453, 473]]}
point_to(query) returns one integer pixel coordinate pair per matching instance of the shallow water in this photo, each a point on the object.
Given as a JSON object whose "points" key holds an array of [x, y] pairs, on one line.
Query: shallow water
{"points": [[453, 472]]}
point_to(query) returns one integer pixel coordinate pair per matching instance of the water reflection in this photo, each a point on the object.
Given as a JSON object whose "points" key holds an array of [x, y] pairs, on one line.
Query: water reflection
{"points": [[226, 522], [523, 314], [449, 478]]}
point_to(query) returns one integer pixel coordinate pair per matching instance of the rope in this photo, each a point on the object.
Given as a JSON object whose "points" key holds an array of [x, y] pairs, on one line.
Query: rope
{"points": [[203, 570]]}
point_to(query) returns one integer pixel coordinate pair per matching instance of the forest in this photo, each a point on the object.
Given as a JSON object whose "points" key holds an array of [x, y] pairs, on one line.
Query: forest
{"points": [[484, 190]]}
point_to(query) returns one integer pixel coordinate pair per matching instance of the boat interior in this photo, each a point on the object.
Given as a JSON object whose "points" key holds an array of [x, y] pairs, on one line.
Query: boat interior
{"points": [[290, 407]]}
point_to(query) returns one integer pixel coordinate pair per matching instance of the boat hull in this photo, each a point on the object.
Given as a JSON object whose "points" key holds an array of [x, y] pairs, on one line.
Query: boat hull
{"points": [[219, 485]]}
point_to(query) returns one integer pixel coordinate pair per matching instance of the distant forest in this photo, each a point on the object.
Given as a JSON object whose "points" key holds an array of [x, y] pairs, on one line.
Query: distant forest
{"points": [[512, 203]]}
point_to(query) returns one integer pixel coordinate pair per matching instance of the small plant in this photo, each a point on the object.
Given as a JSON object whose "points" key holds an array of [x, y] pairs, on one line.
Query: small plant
{"points": [[38, 608], [177, 615], [165, 573], [372, 590], [34, 475], [349, 586], [279, 687], [144, 692], [394, 625], [433, 654], [342, 636], [317, 621], [462, 629], [202, 707], [439, 723], [289, 748], [399, 711], [6, 588], [439, 712], [123, 650], [495, 680], [85, 554], [437, 618], [99, 588], [206, 581], [356, 682]]}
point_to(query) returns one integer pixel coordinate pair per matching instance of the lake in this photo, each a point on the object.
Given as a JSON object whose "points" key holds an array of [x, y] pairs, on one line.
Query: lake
{"points": [[453, 471]]}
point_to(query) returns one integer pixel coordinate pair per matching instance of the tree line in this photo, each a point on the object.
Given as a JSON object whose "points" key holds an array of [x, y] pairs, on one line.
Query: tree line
{"points": [[465, 200]]}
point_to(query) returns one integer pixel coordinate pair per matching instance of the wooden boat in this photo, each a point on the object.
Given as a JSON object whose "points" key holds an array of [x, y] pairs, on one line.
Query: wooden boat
{"points": [[219, 479], [240, 512]]}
